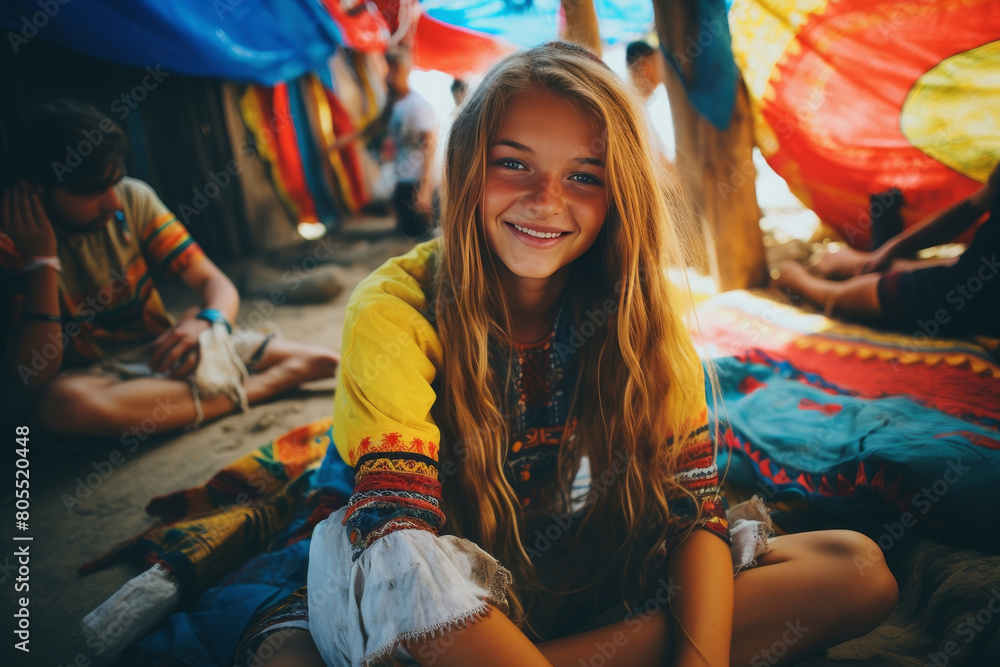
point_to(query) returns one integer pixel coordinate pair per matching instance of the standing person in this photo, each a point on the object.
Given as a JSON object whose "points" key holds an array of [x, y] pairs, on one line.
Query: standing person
{"points": [[413, 129], [411, 126], [459, 89], [646, 71], [646, 68], [485, 371], [87, 334]]}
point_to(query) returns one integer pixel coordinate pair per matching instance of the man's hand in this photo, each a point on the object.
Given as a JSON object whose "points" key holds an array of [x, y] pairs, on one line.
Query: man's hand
{"points": [[23, 218], [175, 351], [424, 201]]}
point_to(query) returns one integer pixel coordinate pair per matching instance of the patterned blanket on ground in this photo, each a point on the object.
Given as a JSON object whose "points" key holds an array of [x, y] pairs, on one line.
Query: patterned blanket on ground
{"points": [[835, 425], [238, 543], [843, 426]]}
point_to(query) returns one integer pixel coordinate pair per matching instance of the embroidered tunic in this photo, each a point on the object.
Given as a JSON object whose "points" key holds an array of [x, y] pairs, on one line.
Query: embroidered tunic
{"points": [[383, 427]]}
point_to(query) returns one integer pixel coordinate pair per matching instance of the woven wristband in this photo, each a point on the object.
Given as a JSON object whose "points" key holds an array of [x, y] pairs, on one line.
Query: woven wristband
{"points": [[39, 262]]}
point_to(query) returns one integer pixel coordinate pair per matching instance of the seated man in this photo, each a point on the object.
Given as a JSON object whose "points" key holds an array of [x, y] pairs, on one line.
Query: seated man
{"points": [[951, 297], [77, 246]]}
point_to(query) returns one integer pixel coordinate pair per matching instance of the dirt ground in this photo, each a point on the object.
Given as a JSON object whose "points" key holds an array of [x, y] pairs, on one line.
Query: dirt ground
{"points": [[83, 503]]}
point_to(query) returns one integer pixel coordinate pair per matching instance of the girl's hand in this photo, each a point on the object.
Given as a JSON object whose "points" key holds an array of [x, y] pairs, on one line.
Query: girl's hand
{"points": [[23, 218]]}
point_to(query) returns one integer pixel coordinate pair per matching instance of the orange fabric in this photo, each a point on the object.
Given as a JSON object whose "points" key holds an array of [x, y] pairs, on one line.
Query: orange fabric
{"points": [[853, 97]]}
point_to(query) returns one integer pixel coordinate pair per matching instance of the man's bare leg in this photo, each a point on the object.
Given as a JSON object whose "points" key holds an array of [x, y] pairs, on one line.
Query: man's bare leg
{"points": [[847, 262], [94, 405], [852, 298], [844, 263]]}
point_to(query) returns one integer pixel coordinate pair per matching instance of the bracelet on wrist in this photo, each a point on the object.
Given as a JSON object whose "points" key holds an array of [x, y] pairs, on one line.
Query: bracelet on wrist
{"points": [[39, 262], [40, 317], [213, 315]]}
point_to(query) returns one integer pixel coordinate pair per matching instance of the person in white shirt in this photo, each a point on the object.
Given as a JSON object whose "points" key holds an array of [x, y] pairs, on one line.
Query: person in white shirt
{"points": [[412, 127], [409, 120]]}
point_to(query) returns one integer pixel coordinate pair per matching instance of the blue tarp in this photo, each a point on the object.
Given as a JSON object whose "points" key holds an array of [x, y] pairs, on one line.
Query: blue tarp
{"points": [[267, 41], [263, 41]]}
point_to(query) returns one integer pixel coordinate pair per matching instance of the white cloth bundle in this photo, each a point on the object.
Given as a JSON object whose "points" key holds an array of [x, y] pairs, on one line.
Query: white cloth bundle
{"points": [[220, 370]]}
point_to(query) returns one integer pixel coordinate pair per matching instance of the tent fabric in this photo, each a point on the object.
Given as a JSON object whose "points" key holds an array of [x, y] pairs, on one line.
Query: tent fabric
{"points": [[853, 97], [712, 87], [291, 123], [528, 23], [313, 161], [455, 50], [239, 40]]}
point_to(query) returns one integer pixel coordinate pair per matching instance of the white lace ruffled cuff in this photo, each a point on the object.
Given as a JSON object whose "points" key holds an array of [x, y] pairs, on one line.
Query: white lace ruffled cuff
{"points": [[749, 526], [410, 584]]}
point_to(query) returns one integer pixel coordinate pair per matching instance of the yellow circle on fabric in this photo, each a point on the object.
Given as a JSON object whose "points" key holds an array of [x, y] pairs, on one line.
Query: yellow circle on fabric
{"points": [[952, 112]]}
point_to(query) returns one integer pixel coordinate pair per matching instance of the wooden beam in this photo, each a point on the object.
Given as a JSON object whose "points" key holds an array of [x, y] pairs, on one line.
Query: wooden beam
{"points": [[581, 24], [716, 167]]}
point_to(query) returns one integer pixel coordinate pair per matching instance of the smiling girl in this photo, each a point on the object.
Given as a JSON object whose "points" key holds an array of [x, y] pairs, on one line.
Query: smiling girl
{"points": [[535, 482]]}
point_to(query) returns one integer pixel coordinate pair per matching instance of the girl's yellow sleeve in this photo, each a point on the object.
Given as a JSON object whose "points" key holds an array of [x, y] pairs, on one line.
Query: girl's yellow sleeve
{"points": [[382, 420]]}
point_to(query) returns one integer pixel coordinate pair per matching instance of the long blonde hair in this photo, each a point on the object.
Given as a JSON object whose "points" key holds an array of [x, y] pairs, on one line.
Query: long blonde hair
{"points": [[640, 381]]}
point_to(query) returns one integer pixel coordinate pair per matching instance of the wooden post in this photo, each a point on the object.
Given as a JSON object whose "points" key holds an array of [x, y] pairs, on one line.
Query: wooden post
{"points": [[581, 24], [715, 167]]}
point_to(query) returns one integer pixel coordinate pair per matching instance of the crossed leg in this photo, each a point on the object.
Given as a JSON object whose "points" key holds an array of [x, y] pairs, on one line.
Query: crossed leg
{"points": [[855, 297], [848, 262], [808, 592], [836, 286], [103, 405]]}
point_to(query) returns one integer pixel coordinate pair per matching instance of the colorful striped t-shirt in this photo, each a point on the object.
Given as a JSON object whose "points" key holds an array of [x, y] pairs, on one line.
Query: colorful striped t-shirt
{"points": [[107, 297]]}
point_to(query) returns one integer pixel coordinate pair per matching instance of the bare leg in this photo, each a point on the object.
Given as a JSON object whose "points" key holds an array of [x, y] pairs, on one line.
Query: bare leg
{"points": [[915, 264], [853, 298], [847, 262], [808, 592], [844, 263], [91, 405]]}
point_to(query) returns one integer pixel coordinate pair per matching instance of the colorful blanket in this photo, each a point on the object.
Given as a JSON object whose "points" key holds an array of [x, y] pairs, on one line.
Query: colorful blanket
{"points": [[843, 426], [238, 543], [835, 425]]}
